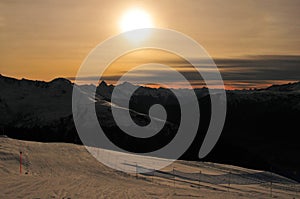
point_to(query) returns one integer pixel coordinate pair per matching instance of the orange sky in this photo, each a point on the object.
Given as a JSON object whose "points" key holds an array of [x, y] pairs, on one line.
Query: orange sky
{"points": [[50, 38]]}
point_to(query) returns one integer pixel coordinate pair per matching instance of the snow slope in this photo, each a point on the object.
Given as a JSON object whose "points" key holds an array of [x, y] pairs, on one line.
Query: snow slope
{"points": [[59, 170]]}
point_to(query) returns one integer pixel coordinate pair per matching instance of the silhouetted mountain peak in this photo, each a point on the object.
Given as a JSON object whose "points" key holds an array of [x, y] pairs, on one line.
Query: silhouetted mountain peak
{"points": [[26, 82], [61, 80], [103, 84], [290, 87], [4, 78]]}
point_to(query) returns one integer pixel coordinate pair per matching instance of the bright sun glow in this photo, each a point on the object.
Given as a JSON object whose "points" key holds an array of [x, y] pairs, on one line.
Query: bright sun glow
{"points": [[135, 19]]}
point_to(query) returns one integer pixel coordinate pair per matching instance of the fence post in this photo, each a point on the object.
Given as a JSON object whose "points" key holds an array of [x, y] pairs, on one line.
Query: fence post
{"points": [[152, 177], [136, 171], [229, 180], [20, 162], [124, 163], [174, 176], [200, 179]]}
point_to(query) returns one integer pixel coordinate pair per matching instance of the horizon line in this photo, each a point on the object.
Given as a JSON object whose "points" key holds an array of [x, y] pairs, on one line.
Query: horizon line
{"points": [[157, 86]]}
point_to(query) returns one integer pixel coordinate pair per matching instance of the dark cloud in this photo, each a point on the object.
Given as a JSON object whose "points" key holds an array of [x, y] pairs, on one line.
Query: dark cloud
{"points": [[266, 67], [246, 72]]}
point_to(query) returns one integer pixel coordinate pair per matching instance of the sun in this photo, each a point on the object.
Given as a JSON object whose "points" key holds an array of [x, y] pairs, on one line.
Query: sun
{"points": [[135, 19]]}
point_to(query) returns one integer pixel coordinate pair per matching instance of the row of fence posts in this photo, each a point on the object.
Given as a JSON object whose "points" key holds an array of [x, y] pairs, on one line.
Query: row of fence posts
{"points": [[228, 184], [174, 177]]}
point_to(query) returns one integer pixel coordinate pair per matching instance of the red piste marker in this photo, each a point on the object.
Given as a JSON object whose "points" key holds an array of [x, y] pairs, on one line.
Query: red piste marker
{"points": [[20, 162]]}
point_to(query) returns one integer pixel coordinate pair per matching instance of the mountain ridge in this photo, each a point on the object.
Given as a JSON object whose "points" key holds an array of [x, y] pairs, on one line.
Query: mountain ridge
{"points": [[291, 86], [260, 132]]}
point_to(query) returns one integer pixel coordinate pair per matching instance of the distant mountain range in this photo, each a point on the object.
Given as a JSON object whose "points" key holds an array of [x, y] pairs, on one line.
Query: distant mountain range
{"points": [[261, 129]]}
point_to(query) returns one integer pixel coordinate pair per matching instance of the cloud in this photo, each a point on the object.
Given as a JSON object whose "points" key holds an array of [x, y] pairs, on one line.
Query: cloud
{"points": [[250, 71], [265, 67]]}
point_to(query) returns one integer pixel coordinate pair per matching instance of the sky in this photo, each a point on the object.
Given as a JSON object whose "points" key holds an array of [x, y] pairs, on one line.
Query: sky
{"points": [[253, 42]]}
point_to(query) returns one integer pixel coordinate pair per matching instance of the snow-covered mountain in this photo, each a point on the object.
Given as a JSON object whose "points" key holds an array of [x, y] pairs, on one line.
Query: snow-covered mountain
{"points": [[27, 104], [261, 129], [34, 103]]}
